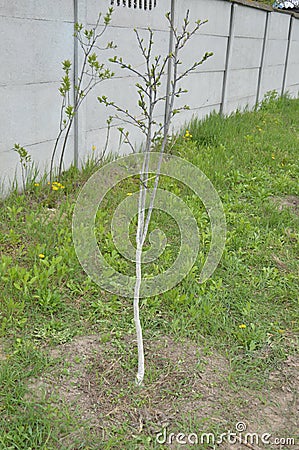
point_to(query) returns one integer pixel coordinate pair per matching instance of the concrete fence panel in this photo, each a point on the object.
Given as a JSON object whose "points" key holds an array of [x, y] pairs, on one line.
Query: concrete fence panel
{"points": [[255, 50]]}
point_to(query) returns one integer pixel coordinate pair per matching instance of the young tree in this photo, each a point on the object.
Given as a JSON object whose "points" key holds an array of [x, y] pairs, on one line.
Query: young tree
{"points": [[91, 73], [150, 95]]}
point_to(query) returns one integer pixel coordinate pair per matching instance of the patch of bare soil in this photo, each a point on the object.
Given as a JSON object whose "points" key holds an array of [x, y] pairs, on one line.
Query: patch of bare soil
{"points": [[183, 385], [2, 353], [287, 202]]}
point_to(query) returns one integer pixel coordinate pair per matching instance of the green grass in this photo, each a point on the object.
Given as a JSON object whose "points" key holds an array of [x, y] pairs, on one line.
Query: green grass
{"points": [[45, 302]]}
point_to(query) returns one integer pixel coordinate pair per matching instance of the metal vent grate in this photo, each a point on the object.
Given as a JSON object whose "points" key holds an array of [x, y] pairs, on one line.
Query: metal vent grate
{"points": [[141, 4]]}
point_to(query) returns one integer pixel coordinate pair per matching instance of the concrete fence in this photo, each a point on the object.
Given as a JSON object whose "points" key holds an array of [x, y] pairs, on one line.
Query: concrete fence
{"points": [[255, 50]]}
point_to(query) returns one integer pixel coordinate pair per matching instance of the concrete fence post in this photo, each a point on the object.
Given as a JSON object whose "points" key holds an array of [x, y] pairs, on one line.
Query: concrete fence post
{"points": [[285, 73], [76, 63], [170, 64], [264, 52], [228, 59], [80, 15]]}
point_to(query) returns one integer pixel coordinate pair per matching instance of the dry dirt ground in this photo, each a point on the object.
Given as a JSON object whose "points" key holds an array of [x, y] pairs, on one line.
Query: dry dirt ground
{"points": [[287, 202], [184, 385]]}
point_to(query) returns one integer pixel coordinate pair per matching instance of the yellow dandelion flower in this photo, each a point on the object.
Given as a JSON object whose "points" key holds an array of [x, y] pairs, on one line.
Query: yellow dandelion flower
{"points": [[36, 184], [129, 193], [242, 326], [93, 148], [187, 135], [41, 256], [55, 188]]}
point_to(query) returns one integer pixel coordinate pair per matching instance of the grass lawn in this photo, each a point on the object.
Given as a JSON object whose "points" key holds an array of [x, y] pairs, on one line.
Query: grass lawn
{"points": [[217, 353]]}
